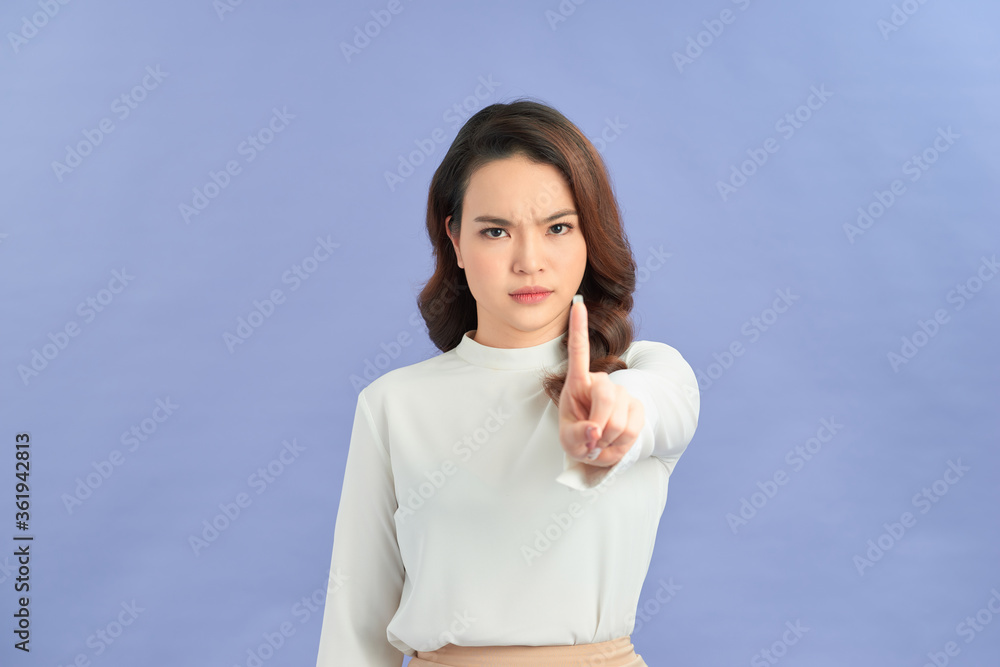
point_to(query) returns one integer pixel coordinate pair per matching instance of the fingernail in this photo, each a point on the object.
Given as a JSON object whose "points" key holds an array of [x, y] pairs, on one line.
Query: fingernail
{"points": [[591, 431], [577, 298], [594, 454]]}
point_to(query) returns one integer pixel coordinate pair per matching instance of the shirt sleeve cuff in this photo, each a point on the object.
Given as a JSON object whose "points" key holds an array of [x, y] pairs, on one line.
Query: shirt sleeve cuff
{"points": [[582, 476]]}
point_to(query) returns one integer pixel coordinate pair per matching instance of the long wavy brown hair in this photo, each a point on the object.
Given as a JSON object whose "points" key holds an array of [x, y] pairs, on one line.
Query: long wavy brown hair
{"points": [[544, 136]]}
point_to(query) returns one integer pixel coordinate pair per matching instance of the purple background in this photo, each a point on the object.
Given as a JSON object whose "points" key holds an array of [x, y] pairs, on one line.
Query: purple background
{"points": [[671, 133]]}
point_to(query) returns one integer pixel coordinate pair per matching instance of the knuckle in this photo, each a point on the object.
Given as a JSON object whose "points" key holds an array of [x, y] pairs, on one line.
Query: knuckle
{"points": [[613, 429]]}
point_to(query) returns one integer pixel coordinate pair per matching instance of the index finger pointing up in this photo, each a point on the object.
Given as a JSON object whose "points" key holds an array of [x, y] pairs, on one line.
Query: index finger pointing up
{"points": [[578, 343]]}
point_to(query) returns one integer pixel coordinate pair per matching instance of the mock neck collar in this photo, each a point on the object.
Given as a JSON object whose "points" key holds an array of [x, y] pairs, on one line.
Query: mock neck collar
{"points": [[549, 353]]}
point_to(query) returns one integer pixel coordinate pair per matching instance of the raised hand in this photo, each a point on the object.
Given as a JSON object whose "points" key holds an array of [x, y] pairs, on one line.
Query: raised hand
{"points": [[599, 421]]}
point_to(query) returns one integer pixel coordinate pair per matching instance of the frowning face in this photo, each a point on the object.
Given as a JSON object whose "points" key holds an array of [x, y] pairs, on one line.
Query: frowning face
{"points": [[520, 229]]}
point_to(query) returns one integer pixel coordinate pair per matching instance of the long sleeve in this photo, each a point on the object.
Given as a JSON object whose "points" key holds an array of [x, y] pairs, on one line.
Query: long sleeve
{"points": [[366, 571], [666, 385]]}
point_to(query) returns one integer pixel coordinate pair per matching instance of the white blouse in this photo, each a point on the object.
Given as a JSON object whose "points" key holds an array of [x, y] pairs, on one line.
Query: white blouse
{"points": [[463, 521]]}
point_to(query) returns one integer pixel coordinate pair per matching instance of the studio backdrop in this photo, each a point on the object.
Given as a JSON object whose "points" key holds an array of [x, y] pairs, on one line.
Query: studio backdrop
{"points": [[214, 235]]}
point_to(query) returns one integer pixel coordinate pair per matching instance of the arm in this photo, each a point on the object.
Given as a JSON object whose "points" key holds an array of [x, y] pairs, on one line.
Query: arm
{"points": [[366, 571], [666, 385]]}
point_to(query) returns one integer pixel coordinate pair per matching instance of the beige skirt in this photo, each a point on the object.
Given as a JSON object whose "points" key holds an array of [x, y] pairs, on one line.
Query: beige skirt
{"points": [[615, 653]]}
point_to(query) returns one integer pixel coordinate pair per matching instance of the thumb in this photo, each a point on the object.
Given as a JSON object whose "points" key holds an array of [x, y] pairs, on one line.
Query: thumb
{"points": [[577, 432]]}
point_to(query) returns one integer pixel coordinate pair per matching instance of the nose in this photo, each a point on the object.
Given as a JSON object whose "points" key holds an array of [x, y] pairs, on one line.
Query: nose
{"points": [[528, 253]]}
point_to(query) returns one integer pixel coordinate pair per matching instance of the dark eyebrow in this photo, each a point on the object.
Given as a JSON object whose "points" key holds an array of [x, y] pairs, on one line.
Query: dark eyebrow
{"points": [[501, 222]]}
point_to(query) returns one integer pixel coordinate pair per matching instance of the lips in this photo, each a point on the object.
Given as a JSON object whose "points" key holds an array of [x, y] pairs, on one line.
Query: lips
{"points": [[533, 289]]}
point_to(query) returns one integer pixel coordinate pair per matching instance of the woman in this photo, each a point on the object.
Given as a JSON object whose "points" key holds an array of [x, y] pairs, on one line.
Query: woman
{"points": [[501, 500]]}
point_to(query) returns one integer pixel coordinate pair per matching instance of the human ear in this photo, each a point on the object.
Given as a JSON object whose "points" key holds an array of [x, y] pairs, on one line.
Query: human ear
{"points": [[454, 242]]}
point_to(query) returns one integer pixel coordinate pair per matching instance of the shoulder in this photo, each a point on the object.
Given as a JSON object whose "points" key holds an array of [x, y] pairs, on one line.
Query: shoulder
{"points": [[645, 351], [410, 378], [659, 358]]}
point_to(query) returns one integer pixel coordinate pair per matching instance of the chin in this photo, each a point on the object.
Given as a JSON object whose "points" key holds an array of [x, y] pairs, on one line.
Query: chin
{"points": [[533, 322]]}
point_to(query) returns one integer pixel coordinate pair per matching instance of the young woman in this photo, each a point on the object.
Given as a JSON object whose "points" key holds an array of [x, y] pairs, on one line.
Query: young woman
{"points": [[501, 500]]}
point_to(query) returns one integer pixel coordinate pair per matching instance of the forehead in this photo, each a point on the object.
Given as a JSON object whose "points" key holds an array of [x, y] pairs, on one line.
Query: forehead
{"points": [[518, 184]]}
